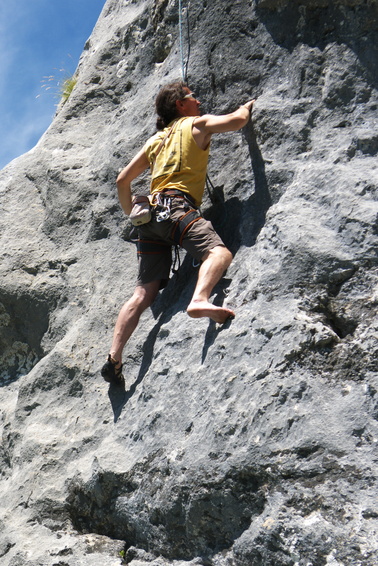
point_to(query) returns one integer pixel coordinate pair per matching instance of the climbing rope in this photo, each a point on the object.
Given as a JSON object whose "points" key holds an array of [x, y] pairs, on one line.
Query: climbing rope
{"points": [[184, 73], [184, 64]]}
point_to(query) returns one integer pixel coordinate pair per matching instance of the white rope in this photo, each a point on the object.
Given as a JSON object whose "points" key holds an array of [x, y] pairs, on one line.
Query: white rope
{"points": [[181, 42]]}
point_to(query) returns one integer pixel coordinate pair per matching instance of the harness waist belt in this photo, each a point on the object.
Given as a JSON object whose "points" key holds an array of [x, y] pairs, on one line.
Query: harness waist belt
{"points": [[180, 194]]}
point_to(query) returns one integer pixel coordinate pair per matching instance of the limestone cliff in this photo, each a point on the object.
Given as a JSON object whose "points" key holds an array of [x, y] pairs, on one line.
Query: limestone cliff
{"points": [[253, 444]]}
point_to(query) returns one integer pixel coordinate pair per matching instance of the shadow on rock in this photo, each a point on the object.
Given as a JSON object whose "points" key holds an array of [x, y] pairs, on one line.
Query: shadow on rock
{"points": [[319, 25], [118, 398], [214, 329], [167, 304], [239, 222]]}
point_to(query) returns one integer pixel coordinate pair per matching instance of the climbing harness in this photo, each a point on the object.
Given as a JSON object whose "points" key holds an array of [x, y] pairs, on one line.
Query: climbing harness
{"points": [[183, 224], [163, 212], [162, 206], [180, 194]]}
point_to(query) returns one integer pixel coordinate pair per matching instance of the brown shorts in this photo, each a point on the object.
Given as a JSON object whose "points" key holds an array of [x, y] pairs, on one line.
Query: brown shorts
{"points": [[155, 243]]}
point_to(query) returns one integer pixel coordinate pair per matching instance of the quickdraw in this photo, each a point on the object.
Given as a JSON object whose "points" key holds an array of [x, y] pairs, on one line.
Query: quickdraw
{"points": [[162, 207]]}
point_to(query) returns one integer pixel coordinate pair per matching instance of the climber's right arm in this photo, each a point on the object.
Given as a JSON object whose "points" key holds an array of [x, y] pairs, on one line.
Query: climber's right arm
{"points": [[136, 166]]}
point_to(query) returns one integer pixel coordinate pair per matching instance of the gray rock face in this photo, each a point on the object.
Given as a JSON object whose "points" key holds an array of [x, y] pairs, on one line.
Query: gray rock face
{"points": [[245, 445]]}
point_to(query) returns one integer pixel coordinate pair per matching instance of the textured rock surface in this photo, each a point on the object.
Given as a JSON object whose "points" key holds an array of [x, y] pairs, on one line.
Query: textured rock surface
{"points": [[254, 444]]}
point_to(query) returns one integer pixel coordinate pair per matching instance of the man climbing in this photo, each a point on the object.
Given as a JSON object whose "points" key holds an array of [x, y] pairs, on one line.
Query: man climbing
{"points": [[177, 156]]}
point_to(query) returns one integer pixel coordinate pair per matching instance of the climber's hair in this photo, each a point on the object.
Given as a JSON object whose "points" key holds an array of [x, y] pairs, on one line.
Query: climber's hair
{"points": [[166, 103]]}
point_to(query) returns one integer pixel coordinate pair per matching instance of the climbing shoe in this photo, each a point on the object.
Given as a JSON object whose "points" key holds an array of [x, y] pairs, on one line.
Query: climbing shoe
{"points": [[111, 373]]}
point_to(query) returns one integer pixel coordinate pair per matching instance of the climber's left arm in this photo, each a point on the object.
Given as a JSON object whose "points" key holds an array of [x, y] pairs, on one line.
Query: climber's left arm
{"points": [[208, 124]]}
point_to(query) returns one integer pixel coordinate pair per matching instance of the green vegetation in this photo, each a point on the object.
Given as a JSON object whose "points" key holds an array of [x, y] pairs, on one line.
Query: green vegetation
{"points": [[67, 87]]}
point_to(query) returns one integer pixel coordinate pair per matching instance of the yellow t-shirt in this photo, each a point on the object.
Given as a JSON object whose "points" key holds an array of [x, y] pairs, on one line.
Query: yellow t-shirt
{"points": [[180, 164]]}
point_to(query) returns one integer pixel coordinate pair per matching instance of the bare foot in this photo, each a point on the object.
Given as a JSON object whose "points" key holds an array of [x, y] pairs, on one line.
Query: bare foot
{"points": [[199, 309]]}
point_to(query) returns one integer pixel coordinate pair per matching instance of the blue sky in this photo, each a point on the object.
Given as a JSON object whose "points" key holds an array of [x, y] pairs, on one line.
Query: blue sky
{"points": [[38, 39]]}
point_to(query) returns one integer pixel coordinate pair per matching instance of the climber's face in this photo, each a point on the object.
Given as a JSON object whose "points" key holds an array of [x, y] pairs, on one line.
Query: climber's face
{"points": [[189, 105]]}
